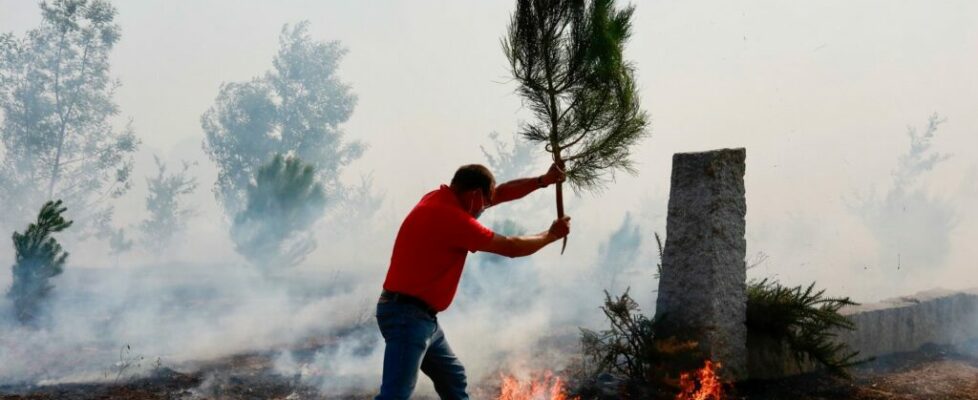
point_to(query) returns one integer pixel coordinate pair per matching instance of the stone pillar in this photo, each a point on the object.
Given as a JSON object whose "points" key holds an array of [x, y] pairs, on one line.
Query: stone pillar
{"points": [[702, 289]]}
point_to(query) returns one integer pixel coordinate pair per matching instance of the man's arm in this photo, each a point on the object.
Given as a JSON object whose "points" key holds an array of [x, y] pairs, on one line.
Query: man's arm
{"points": [[515, 189], [520, 246], [518, 188]]}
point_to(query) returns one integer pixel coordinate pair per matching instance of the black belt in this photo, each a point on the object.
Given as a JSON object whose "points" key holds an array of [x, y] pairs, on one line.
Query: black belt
{"points": [[394, 297]]}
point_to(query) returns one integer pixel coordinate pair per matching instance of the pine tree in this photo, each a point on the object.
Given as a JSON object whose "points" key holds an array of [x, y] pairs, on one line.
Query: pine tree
{"points": [[38, 258], [283, 201], [567, 57]]}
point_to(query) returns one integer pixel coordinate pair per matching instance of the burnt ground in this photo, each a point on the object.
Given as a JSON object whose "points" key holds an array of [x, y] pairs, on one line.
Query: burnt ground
{"points": [[241, 377], [934, 372], [931, 373]]}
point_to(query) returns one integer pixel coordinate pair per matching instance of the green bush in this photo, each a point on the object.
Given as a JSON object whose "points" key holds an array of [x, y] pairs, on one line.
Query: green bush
{"points": [[38, 258], [804, 320]]}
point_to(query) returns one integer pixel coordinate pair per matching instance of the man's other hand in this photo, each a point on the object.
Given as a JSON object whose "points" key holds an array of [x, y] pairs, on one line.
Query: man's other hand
{"points": [[560, 228], [553, 175]]}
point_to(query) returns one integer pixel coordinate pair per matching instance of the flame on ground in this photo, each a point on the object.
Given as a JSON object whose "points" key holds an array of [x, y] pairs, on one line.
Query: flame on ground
{"points": [[702, 384], [545, 387]]}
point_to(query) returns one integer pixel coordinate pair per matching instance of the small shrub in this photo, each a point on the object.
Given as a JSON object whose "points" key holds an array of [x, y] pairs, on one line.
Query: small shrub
{"points": [[38, 258], [283, 202], [631, 350], [803, 319]]}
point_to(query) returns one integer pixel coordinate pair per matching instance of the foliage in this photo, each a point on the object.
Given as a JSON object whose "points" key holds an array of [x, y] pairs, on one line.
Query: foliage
{"points": [[637, 349], [802, 318], [628, 346], [631, 349], [56, 97], [39, 257], [294, 109], [283, 201], [567, 57], [167, 214]]}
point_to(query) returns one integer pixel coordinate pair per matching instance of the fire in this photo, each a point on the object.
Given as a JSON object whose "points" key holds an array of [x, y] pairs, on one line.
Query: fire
{"points": [[546, 387], [702, 384]]}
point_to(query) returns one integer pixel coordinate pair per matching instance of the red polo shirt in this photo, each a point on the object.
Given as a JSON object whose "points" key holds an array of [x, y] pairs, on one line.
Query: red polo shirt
{"points": [[431, 246]]}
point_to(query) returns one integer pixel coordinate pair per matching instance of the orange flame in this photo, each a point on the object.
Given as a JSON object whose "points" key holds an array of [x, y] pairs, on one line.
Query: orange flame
{"points": [[547, 387], [705, 385]]}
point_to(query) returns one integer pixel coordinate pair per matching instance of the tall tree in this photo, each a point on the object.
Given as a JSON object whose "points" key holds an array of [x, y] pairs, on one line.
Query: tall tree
{"points": [[168, 213], [56, 97], [38, 258], [296, 108], [283, 201], [567, 57]]}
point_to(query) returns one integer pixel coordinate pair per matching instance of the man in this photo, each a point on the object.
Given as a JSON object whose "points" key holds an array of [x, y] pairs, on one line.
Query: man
{"points": [[425, 268]]}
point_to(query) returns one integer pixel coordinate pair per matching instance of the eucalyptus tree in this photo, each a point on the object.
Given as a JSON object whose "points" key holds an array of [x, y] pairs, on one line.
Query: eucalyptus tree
{"points": [[297, 108], [567, 57], [56, 97]]}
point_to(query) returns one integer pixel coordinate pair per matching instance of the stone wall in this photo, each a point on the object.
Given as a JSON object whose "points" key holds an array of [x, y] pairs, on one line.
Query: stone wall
{"points": [[891, 326], [907, 323]]}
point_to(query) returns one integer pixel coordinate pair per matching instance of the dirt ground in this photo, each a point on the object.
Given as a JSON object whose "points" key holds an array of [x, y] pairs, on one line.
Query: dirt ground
{"points": [[931, 373]]}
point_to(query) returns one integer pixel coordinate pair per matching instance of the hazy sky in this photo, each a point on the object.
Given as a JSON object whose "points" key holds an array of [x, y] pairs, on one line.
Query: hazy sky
{"points": [[820, 93]]}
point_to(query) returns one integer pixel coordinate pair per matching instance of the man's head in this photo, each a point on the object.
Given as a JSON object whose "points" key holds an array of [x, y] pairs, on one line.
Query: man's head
{"points": [[474, 186]]}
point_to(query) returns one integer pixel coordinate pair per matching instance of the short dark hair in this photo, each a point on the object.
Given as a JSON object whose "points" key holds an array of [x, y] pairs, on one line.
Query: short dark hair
{"points": [[474, 176]]}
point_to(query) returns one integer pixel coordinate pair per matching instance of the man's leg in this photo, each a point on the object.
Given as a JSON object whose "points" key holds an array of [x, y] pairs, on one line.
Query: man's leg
{"points": [[444, 369], [406, 338]]}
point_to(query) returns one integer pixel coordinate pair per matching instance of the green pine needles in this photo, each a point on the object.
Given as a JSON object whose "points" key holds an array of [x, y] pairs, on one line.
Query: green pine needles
{"points": [[283, 202], [567, 57], [38, 258], [628, 347], [804, 320]]}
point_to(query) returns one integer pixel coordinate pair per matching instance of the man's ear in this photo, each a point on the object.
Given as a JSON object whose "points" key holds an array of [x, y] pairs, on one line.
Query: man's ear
{"points": [[469, 197]]}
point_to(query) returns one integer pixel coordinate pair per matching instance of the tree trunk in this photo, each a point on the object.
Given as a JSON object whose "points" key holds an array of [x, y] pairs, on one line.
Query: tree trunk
{"points": [[560, 196]]}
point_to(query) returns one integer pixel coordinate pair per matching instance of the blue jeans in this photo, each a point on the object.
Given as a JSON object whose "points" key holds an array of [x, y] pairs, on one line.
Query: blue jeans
{"points": [[415, 341]]}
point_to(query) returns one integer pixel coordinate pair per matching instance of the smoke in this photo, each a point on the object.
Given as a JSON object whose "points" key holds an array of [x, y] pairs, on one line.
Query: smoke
{"points": [[174, 313], [912, 226], [509, 315], [619, 254]]}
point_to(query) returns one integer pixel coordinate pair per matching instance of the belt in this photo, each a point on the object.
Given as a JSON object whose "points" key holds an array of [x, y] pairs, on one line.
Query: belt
{"points": [[394, 297]]}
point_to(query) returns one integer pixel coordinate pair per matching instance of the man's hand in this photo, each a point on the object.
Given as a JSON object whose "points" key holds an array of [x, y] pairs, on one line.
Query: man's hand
{"points": [[553, 175], [559, 228]]}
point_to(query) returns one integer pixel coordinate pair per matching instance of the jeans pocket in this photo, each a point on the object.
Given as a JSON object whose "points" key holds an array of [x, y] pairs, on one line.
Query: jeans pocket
{"points": [[407, 325], [391, 324]]}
